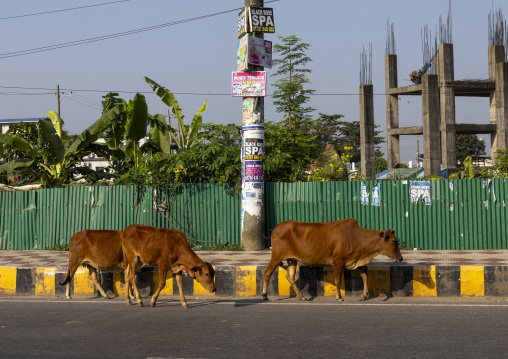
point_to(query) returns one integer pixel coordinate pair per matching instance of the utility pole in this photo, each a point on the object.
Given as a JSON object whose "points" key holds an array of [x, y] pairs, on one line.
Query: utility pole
{"points": [[253, 132], [58, 99], [170, 137]]}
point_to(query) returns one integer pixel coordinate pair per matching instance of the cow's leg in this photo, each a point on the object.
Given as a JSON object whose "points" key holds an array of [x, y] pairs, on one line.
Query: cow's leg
{"points": [[363, 275], [128, 285], [274, 262], [130, 273], [162, 283], [291, 277], [338, 268], [179, 281], [92, 272], [74, 263]]}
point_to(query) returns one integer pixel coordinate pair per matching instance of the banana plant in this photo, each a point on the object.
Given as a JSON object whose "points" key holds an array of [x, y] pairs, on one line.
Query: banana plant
{"points": [[189, 133], [59, 156]]}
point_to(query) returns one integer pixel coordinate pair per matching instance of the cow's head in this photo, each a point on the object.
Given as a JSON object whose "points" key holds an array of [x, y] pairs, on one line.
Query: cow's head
{"points": [[389, 245], [204, 273]]}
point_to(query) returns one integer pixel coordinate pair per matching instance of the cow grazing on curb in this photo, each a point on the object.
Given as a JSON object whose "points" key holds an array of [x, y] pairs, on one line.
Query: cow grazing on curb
{"points": [[94, 249], [343, 244], [169, 250]]}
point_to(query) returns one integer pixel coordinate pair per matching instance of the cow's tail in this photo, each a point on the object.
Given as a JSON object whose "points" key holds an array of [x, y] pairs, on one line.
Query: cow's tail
{"points": [[68, 278]]}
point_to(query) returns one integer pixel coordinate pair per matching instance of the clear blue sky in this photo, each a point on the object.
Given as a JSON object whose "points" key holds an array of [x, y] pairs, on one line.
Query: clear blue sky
{"points": [[199, 56]]}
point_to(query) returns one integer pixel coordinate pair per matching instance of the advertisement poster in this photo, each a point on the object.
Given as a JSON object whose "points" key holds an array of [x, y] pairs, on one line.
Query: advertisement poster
{"points": [[241, 54], [254, 51], [364, 198], [252, 193], [242, 23], [261, 19], [254, 148], [420, 190], [376, 195], [253, 171], [249, 84], [260, 52], [252, 111]]}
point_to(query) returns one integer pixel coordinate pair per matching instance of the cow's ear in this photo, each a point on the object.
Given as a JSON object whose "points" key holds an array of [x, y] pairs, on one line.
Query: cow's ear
{"points": [[194, 269], [392, 231], [383, 235]]}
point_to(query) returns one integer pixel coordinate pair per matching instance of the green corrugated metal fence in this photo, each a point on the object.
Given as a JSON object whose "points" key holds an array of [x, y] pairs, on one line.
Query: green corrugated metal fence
{"points": [[464, 214]]}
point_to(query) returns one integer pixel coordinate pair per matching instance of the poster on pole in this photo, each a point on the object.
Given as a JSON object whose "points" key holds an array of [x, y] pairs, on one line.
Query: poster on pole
{"points": [[249, 84], [253, 111], [254, 51], [261, 19], [242, 23]]}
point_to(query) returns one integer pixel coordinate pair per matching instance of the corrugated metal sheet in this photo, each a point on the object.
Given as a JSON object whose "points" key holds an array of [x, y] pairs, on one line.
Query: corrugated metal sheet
{"points": [[464, 214]]}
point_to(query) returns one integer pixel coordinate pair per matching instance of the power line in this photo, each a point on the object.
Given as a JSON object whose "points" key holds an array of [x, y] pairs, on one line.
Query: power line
{"points": [[107, 37], [112, 36], [53, 11]]}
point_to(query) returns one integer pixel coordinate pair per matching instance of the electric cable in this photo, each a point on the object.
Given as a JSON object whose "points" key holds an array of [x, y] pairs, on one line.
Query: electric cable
{"points": [[54, 11]]}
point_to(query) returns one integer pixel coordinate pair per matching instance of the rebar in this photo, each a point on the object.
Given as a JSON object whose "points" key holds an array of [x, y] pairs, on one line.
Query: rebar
{"points": [[390, 39], [445, 30], [366, 66], [428, 49], [498, 31]]}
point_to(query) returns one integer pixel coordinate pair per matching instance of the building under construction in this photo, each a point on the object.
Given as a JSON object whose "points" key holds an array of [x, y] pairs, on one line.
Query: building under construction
{"points": [[436, 84]]}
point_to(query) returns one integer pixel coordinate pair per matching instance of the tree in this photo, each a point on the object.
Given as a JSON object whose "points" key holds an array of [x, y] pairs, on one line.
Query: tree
{"points": [[289, 152], [469, 145], [290, 94], [188, 133]]}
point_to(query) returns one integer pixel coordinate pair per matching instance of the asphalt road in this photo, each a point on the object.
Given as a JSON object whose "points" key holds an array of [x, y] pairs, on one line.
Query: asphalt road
{"points": [[235, 328]]}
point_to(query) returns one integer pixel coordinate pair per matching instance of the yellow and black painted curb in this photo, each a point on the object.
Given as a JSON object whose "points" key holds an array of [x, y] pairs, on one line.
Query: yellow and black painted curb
{"points": [[247, 281]]}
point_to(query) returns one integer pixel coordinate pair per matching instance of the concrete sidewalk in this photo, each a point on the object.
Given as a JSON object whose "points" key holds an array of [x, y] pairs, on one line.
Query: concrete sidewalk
{"points": [[240, 274]]}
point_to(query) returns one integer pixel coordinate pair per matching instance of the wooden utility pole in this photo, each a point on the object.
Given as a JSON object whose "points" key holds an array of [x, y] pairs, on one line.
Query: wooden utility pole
{"points": [[58, 99]]}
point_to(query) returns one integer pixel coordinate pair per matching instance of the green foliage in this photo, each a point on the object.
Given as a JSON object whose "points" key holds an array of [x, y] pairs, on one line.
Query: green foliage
{"points": [[58, 247], [469, 170], [211, 163], [289, 151], [221, 247], [380, 164], [188, 134], [344, 134], [55, 154], [331, 167], [469, 145], [500, 165], [290, 94]]}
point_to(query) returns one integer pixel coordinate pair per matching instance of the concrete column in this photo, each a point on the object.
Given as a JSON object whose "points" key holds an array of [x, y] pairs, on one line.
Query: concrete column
{"points": [[496, 55], [392, 111], [501, 105], [431, 121], [367, 147], [447, 104]]}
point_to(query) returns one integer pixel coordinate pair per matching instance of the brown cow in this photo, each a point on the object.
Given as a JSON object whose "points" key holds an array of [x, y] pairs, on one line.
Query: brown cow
{"points": [[94, 249], [343, 244], [168, 249]]}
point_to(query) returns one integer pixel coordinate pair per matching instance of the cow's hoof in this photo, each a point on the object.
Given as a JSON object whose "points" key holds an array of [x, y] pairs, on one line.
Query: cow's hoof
{"points": [[264, 297], [303, 298], [186, 307], [128, 302], [152, 304], [364, 297], [340, 300], [140, 304]]}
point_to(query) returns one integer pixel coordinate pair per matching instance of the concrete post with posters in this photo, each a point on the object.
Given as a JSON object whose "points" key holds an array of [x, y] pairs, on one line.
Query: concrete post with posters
{"points": [[253, 55]]}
